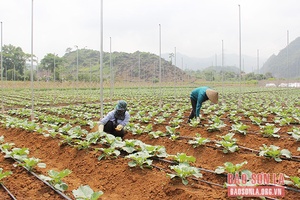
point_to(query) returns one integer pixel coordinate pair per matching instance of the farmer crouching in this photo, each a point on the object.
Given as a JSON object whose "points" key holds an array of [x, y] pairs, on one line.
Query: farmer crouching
{"points": [[115, 120]]}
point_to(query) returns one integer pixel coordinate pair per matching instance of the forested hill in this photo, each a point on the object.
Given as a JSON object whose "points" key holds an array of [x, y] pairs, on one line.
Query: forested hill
{"points": [[126, 66], [287, 63]]}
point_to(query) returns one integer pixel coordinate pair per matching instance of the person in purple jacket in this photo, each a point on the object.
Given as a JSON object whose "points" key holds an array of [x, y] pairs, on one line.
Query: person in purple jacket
{"points": [[115, 121], [198, 96]]}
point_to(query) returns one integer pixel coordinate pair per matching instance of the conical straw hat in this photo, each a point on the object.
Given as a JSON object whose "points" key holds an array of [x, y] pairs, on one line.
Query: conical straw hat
{"points": [[212, 95]]}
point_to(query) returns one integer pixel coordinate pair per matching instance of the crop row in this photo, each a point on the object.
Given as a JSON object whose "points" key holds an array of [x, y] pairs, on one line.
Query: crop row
{"points": [[54, 180], [82, 140], [266, 119]]}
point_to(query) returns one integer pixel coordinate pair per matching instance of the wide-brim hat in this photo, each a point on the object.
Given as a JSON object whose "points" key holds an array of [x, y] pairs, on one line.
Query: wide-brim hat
{"points": [[212, 95], [122, 105]]}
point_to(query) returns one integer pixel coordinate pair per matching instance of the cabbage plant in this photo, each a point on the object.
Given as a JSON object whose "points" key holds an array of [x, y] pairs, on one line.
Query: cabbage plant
{"points": [[85, 192], [183, 171]]}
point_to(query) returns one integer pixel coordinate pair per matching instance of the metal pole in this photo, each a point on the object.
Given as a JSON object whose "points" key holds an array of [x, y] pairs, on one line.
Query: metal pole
{"points": [[160, 102], [139, 71], [182, 64], [90, 74], [257, 61], [222, 66], [54, 66], [37, 69], [2, 96], [240, 57], [287, 49], [101, 60], [110, 66], [77, 69], [32, 91], [175, 71], [14, 71]]}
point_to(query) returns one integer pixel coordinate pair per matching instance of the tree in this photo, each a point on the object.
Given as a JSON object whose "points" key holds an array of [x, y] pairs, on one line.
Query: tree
{"points": [[14, 61], [51, 64], [269, 75]]}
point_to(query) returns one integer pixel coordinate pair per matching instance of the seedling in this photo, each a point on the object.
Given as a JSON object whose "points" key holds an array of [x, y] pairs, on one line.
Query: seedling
{"points": [[157, 134], [198, 141], [159, 151], [82, 144], [4, 174], [283, 121], [174, 137], [148, 128], [132, 145], [215, 124], [137, 130], [77, 132], [65, 128], [86, 193], [258, 121], [30, 163], [6, 147], [235, 118], [230, 168], [183, 158], [295, 181], [94, 137], [66, 139], [269, 130], [183, 171], [240, 128], [55, 178], [295, 132], [172, 130], [145, 119], [175, 122], [140, 159], [17, 153], [274, 152], [194, 122], [108, 152], [159, 120], [108, 139], [228, 143], [166, 115]]}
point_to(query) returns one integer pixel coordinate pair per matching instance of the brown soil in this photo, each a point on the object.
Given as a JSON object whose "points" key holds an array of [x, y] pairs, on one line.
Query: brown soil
{"points": [[118, 181]]}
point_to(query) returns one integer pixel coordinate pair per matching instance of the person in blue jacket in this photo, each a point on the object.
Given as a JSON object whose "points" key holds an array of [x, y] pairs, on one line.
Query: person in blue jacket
{"points": [[198, 96], [115, 121]]}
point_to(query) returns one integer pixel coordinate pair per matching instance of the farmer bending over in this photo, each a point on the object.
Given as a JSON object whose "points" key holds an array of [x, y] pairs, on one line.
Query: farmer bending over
{"points": [[198, 96], [115, 120]]}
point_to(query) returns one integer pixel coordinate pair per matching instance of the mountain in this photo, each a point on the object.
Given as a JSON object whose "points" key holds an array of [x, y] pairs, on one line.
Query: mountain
{"points": [[126, 66], [249, 64], [287, 63]]}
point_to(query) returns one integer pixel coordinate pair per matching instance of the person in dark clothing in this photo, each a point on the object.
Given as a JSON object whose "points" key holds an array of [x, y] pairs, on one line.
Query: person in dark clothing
{"points": [[115, 121], [198, 96]]}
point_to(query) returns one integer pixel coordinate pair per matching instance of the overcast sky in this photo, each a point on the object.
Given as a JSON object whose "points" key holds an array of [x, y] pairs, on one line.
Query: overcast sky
{"points": [[195, 28]]}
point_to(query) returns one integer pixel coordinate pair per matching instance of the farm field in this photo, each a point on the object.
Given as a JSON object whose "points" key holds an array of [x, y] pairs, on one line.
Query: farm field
{"points": [[256, 127]]}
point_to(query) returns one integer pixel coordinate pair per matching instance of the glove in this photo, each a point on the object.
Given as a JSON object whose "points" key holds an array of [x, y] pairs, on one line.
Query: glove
{"points": [[100, 128], [119, 127]]}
